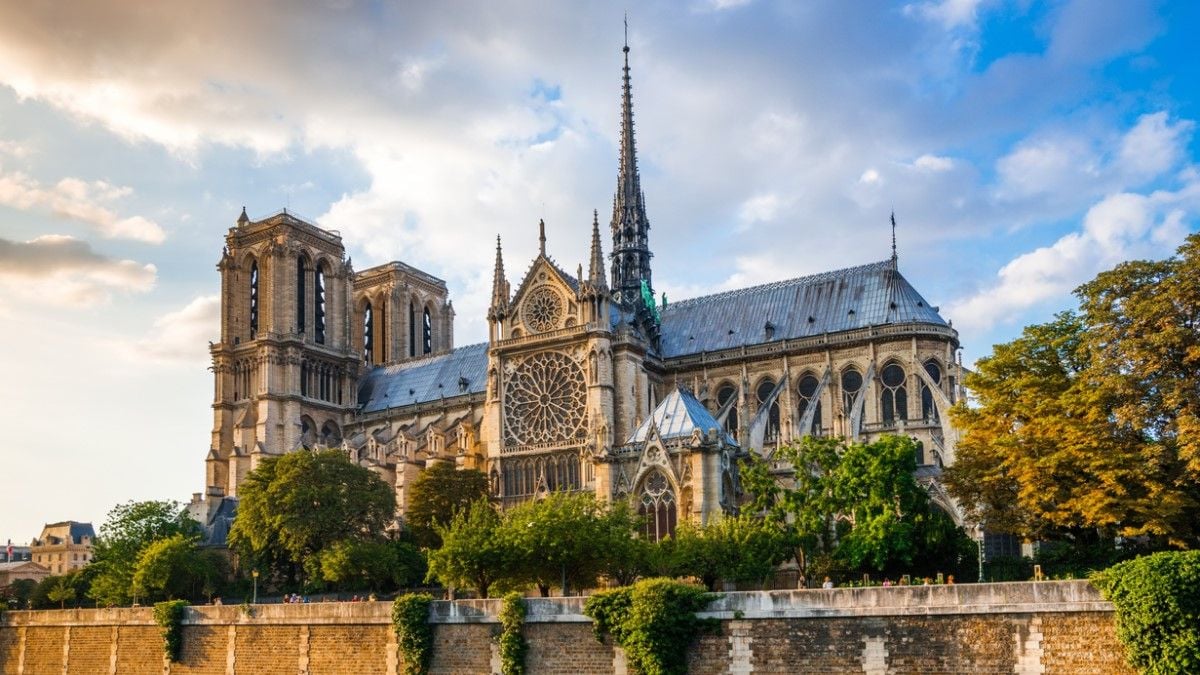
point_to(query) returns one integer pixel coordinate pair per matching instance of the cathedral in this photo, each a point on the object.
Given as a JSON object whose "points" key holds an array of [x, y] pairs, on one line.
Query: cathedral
{"points": [[587, 381]]}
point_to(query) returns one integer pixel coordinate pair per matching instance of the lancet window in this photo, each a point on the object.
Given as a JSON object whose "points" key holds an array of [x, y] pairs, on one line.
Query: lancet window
{"points": [[253, 299], [929, 411], [765, 388], [726, 394], [893, 400], [426, 333], [656, 504], [852, 383], [319, 304], [368, 334], [810, 399], [412, 329]]}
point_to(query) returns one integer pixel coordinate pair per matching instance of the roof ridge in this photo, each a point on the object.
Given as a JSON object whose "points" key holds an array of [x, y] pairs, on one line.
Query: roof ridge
{"points": [[811, 278], [428, 358]]}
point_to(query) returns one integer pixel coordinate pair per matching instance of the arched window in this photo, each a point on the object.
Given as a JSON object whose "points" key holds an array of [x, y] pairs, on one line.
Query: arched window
{"points": [[724, 395], [300, 297], [253, 299], [929, 411], [426, 333], [893, 400], [412, 329], [764, 391], [657, 506], [808, 397], [852, 383], [368, 334], [319, 304], [330, 434]]}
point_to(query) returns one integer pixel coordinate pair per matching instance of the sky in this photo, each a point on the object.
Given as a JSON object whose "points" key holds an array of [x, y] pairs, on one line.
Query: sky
{"points": [[1023, 146]]}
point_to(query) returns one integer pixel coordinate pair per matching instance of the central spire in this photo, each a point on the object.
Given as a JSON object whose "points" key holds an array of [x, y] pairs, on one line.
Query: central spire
{"points": [[630, 227]]}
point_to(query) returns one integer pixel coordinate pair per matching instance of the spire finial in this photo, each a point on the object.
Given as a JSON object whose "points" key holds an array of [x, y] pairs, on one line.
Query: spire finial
{"points": [[626, 32], [499, 283], [596, 261], [894, 256], [541, 236]]}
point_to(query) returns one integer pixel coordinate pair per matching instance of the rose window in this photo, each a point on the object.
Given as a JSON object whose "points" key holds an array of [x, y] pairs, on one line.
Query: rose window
{"points": [[544, 400], [543, 310]]}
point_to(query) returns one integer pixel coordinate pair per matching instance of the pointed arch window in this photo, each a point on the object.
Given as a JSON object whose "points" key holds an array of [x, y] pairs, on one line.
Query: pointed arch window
{"points": [[725, 394], [656, 504], [319, 304], [300, 297], [893, 400], [412, 329], [852, 383], [929, 411], [764, 392], [426, 332], [253, 299], [809, 399], [368, 334]]}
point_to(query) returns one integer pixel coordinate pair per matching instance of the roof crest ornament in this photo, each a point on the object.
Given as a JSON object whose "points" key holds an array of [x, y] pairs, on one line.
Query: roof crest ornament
{"points": [[894, 256], [542, 236]]}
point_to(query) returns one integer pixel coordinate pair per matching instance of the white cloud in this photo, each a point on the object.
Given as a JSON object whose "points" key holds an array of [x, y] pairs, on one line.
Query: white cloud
{"points": [[62, 270], [82, 201], [1154, 145], [933, 163], [869, 177], [759, 208], [182, 336], [949, 13]]}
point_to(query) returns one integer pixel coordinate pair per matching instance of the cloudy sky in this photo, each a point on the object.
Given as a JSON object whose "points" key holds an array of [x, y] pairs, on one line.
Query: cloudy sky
{"points": [[1023, 146]]}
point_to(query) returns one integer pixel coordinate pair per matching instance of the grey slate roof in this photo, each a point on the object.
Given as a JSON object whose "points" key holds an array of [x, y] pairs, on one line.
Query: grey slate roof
{"points": [[677, 415], [841, 300], [217, 528], [425, 379]]}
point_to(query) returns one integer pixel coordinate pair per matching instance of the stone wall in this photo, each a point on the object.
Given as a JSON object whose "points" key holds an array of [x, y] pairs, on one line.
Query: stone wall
{"points": [[1049, 627]]}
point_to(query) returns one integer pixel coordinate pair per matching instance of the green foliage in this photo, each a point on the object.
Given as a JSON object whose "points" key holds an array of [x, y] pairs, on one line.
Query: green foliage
{"points": [[127, 530], [414, 634], [61, 591], [1092, 421], [439, 492], [380, 566], [1157, 598], [16, 595], [512, 640], [293, 506], [175, 567], [654, 621], [55, 590], [473, 552], [169, 617]]}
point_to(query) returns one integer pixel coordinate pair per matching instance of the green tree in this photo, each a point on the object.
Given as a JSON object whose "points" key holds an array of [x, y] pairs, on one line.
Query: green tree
{"points": [[61, 591], [439, 492], [176, 568], [742, 548], [380, 566], [16, 595], [293, 506], [473, 552], [1086, 427], [128, 529]]}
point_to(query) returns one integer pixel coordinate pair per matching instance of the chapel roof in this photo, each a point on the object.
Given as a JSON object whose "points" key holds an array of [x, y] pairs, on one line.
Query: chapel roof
{"points": [[678, 415], [840, 300], [425, 379]]}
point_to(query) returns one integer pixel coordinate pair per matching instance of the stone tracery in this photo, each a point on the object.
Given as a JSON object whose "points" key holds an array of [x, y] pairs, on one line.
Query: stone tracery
{"points": [[545, 397], [543, 310]]}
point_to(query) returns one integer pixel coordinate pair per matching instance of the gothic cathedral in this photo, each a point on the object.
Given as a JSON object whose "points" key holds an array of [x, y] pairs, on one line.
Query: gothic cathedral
{"points": [[586, 382]]}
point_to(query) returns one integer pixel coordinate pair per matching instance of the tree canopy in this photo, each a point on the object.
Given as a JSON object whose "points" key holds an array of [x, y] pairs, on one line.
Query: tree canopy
{"points": [[176, 568], [438, 493], [1089, 423], [128, 529], [473, 552]]}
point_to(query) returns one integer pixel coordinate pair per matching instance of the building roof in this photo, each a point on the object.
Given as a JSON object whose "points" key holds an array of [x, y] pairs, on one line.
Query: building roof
{"points": [[76, 531], [841, 300], [454, 373], [217, 528], [21, 564], [678, 415]]}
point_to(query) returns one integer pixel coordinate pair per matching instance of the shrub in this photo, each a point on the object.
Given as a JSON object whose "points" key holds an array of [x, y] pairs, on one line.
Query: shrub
{"points": [[169, 616], [654, 621], [512, 641], [410, 620], [1157, 598]]}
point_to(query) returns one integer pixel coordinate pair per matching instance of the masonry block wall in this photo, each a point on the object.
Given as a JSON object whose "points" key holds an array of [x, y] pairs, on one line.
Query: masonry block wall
{"points": [[1049, 627]]}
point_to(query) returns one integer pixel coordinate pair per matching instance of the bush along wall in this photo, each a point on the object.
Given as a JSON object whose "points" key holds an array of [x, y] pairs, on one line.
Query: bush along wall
{"points": [[169, 617], [512, 637], [1157, 600], [414, 635], [654, 621]]}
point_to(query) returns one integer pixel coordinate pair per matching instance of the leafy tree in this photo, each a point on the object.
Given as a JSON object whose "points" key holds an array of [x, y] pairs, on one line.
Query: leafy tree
{"points": [[128, 529], [56, 586], [1085, 428], [372, 565], [473, 552], [175, 567], [1157, 598], [439, 492], [734, 548], [293, 506], [566, 539], [16, 595], [61, 591]]}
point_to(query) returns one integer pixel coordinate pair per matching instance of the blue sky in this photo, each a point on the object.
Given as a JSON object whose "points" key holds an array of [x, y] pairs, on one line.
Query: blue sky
{"points": [[1023, 146]]}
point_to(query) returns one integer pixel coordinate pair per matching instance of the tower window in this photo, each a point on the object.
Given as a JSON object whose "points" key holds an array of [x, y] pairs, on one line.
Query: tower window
{"points": [[412, 329], [300, 299], [253, 299], [808, 397], [894, 398], [426, 333], [319, 305], [368, 334]]}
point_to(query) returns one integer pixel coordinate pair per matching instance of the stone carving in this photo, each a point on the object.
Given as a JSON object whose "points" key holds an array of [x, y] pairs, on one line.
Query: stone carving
{"points": [[543, 310]]}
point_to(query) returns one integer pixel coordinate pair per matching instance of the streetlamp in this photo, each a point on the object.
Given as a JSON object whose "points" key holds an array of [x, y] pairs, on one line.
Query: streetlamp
{"points": [[254, 574], [979, 541]]}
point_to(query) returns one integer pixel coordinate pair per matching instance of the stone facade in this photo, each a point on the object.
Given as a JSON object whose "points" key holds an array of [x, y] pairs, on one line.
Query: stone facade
{"points": [[315, 354], [1048, 627], [63, 547]]}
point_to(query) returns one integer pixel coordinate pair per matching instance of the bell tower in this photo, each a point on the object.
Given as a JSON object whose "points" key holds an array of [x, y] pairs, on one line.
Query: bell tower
{"points": [[284, 368]]}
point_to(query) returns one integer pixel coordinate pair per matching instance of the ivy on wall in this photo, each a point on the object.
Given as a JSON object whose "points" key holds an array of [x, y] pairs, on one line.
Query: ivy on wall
{"points": [[654, 621], [414, 634], [169, 617], [512, 639]]}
